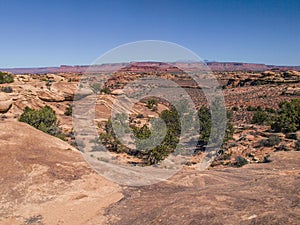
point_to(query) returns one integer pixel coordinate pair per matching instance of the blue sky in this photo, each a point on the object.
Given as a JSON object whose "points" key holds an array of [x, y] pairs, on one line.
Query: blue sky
{"points": [[36, 33]]}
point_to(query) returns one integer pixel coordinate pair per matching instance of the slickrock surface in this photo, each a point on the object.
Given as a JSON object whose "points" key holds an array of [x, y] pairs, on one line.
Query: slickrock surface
{"points": [[43, 180], [265, 193]]}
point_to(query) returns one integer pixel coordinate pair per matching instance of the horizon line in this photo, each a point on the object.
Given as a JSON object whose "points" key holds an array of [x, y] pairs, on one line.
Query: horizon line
{"points": [[86, 65]]}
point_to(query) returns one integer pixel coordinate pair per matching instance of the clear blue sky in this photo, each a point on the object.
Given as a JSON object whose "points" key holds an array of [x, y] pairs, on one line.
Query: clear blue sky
{"points": [[50, 33]]}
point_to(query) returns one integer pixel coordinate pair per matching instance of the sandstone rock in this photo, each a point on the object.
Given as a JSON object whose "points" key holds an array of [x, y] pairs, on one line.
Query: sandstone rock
{"points": [[49, 96], [117, 92], [250, 137], [291, 73], [268, 73], [255, 159], [292, 91], [67, 90], [5, 102]]}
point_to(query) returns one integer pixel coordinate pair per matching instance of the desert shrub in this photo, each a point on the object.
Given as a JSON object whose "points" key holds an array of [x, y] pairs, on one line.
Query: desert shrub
{"points": [[96, 88], [151, 103], [235, 108], [43, 119], [260, 117], [110, 140], [142, 133], [266, 159], [225, 156], [156, 155], [255, 82], [291, 136], [273, 140], [69, 110], [254, 108], [7, 89], [171, 118], [206, 125], [282, 147], [144, 150], [270, 142], [297, 145], [140, 116], [6, 78], [288, 117], [270, 110], [79, 144], [105, 90], [49, 83], [144, 138], [38, 219], [240, 161], [250, 108]]}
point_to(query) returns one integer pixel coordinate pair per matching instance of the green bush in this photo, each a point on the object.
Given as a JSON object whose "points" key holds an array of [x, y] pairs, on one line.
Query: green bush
{"points": [[144, 138], [282, 147], [49, 83], [69, 110], [254, 108], [151, 103], [260, 117], [142, 133], [153, 155], [240, 161], [157, 154], [205, 122], [235, 108], [43, 119], [7, 89], [96, 88], [110, 140], [140, 116], [288, 117], [6, 78], [171, 118], [270, 142], [270, 110], [105, 90]]}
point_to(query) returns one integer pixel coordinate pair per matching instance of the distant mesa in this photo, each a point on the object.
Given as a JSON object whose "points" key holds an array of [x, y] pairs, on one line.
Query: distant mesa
{"points": [[143, 67], [137, 66]]}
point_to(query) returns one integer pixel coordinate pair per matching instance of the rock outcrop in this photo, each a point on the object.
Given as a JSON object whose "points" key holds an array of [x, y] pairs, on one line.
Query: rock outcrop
{"points": [[5, 102], [42, 176], [66, 90], [49, 96]]}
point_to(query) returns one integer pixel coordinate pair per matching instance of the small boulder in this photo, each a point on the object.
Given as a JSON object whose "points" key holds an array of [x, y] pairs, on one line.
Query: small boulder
{"points": [[117, 92], [5, 102]]}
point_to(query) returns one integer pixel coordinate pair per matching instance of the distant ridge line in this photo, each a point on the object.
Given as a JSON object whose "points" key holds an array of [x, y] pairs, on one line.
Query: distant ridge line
{"points": [[110, 67]]}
